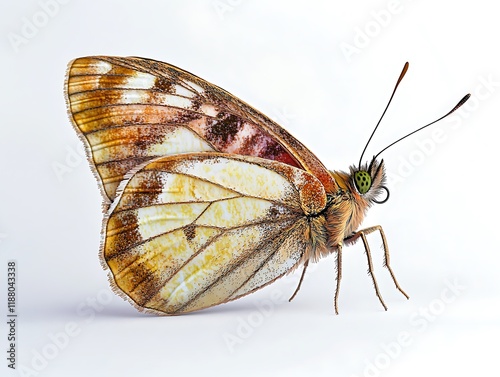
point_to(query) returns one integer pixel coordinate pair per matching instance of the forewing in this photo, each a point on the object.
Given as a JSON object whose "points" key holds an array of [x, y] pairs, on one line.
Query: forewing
{"points": [[131, 110], [192, 231]]}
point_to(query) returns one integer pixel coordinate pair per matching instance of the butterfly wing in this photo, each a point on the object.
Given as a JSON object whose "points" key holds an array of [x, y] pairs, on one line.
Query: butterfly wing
{"points": [[131, 110], [195, 230]]}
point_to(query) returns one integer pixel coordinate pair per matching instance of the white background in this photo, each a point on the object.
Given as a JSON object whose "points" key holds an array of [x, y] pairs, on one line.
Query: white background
{"points": [[324, 70]]}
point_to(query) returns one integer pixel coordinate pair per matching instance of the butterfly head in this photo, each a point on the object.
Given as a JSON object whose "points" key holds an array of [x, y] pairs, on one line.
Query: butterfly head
{"points": [[369, 181]]}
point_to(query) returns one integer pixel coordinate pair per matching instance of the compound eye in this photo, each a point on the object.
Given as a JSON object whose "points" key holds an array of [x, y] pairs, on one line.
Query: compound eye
{"points": [[363, 181]]}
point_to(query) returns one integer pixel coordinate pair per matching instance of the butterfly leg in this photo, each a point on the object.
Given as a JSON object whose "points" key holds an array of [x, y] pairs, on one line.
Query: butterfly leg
{"points": [[387, 259], [362, 234], [370, 269], [339, 277], [300, 281]]}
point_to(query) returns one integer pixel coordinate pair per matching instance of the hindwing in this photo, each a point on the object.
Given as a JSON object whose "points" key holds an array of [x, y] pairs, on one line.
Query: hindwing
{"points": [[195, 230]]}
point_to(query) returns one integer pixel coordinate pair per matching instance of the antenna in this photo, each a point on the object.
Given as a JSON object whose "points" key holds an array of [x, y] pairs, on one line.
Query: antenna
{"points": [[458, 105], [403, 72]]}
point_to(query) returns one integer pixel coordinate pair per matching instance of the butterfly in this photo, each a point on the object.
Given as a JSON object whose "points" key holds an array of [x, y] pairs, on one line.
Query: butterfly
{"points": [[206, 199]]}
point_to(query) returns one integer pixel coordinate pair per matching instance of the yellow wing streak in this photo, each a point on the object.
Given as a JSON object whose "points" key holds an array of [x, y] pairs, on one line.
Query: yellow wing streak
{"points": [[244, 275], [152, 259], [206, 266], [115, 146], [247, 179], [176, 139], [234, 212], [158, 187]]}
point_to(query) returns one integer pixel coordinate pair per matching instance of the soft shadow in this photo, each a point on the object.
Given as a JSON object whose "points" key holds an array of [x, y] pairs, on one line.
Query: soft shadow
{"points": [[126, 310], [130, 312]]}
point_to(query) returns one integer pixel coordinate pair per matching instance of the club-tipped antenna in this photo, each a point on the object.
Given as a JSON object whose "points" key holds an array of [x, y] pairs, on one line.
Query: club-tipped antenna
{"points": [[403, 72], [458, 105]]}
